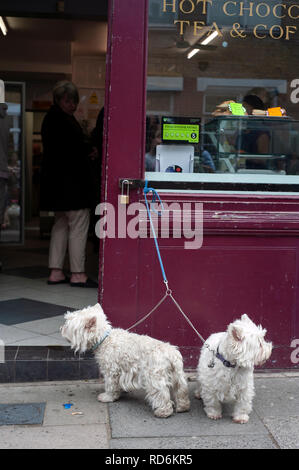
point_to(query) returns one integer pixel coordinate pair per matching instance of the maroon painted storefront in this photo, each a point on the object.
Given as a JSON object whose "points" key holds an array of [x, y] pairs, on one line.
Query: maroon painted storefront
{"points": [[248, 262]]}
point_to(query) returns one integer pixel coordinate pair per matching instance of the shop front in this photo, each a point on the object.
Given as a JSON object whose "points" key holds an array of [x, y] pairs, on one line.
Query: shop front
{"points": [[202, 102]]}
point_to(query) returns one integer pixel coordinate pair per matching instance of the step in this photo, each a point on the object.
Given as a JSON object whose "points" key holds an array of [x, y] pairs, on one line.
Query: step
{"points": [[46, 363]]}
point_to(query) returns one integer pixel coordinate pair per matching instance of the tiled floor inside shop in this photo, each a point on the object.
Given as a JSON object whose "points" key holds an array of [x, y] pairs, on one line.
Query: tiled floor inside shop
{"points": [[31, 313]]}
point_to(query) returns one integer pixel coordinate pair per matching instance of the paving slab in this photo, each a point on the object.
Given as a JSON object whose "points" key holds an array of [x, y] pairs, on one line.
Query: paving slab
{"points": [[143, 423], [13, 312], [277, 397], [10, 334], [285, 431], [44, 326], [85, 425], [83, 397], [195, 442], [85, 436]]}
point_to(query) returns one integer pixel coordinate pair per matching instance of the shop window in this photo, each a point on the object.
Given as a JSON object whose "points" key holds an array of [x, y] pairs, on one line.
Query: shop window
{"points": [[204, 59]]}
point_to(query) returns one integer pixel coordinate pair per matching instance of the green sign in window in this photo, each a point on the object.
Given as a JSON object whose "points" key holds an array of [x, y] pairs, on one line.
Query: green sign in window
{"points": [[181, 132]]}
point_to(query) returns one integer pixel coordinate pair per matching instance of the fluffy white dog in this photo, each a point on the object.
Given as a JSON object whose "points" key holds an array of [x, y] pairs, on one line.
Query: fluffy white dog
{"points": [[129, 361], [225, 368]]}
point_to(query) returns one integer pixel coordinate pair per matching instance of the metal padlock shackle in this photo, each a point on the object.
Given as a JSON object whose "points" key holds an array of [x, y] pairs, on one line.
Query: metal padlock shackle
{"points": [[127, 182]]}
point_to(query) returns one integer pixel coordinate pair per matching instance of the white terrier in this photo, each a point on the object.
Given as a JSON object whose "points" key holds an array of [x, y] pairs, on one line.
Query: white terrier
{"points": [[129, 361], [225, 368]]}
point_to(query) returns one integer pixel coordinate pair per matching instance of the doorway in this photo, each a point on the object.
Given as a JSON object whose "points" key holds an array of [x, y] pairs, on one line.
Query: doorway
{"points": [[40, 49]]}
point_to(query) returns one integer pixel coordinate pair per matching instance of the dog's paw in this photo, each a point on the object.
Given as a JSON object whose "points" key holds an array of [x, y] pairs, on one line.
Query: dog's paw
{"points": [[197, 394], [214, 416], [183, 406], [105, 398], [164, 412], [241, 419]]}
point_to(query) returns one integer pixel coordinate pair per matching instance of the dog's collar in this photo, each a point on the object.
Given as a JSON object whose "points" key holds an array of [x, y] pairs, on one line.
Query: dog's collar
{"points": [[224, 361], [98, 343]]}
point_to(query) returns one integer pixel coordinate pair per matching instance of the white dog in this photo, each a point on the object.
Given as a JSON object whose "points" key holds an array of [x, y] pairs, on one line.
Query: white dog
{"points": [[225, 368], [130, 361]]}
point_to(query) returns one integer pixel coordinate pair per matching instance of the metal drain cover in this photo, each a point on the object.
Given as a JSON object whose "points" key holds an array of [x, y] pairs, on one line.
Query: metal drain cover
{"points": [[22, 413]]}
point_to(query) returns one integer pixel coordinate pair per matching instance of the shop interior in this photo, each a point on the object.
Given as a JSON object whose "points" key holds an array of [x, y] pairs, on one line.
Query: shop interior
{"points": [[36, 53], [204, 56]]}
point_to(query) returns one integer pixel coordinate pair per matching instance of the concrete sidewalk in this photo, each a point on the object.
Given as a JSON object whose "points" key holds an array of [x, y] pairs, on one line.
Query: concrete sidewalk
{"points": [[130, 424]]}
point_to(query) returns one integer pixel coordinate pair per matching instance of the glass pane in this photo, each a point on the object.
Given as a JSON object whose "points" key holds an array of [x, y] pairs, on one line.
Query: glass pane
{"points": [[12, 185], [222, 97]]}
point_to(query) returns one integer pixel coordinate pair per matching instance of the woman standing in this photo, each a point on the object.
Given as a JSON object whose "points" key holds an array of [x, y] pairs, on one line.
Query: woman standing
{"points": [[65, 186]]}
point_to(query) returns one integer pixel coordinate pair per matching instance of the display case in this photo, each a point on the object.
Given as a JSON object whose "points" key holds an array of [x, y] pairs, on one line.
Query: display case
{"points": [[250, 144], [12, 229]]}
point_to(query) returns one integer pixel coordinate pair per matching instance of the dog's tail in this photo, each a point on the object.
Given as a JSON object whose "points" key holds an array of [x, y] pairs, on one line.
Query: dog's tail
{"points": [[180, 385]]}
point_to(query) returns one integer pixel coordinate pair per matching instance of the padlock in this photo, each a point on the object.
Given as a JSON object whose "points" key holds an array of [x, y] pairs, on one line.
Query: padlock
{"points": [[124, 198]]}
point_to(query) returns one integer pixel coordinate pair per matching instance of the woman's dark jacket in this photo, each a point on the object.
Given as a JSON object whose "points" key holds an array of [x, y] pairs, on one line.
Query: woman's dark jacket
{"points": [[65, 177]]}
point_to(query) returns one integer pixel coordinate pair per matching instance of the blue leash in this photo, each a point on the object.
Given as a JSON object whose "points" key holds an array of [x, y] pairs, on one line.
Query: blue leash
{"points": [[147, 190]]}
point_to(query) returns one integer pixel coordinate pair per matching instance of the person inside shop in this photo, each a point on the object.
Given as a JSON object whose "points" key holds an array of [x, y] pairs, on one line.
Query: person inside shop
{"points": [[153, 138], [263, 94], [65, 186], [208, 165], [251, 102], [253, 140]]}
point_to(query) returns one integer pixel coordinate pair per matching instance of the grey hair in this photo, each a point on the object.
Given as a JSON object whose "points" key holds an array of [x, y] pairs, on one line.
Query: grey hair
{"points": [[65, 88]]}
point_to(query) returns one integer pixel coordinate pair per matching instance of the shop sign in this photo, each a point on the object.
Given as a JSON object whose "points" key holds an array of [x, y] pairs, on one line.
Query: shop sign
{"points": [[233, 10]]}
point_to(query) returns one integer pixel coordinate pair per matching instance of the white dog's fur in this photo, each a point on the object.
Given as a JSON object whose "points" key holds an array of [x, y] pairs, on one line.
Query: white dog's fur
{"points": [[129, 361], [244, 346]]}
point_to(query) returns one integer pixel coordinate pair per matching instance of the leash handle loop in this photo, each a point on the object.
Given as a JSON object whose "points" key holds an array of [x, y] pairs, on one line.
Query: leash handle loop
{"points": [[155, 196]]}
